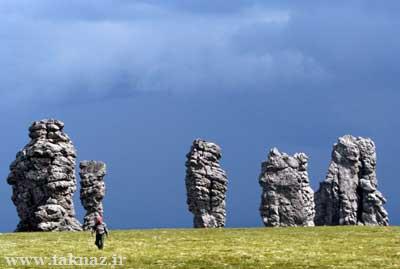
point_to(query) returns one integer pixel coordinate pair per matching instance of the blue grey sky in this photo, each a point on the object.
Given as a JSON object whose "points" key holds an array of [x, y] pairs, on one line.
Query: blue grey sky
{"points": [[136, 81]]}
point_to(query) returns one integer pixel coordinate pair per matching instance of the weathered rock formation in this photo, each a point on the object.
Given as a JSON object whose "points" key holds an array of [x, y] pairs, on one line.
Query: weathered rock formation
{"points": [[92, 190], [287, 198], [206, 185], [349, 194], [43, 180]]}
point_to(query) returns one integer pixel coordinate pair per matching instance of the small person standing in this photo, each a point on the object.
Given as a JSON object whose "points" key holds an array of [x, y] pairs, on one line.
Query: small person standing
{"points": [[100, 228]]}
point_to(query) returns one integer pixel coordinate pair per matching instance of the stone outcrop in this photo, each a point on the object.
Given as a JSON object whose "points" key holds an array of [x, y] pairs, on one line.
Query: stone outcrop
{"points": [[43, 180], [349, 194], [206, 185], [287, 198], [92, 190]]}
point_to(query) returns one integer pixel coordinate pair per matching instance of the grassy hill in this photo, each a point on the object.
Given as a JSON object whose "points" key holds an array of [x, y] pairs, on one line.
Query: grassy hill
{"points": [[320, 247]]}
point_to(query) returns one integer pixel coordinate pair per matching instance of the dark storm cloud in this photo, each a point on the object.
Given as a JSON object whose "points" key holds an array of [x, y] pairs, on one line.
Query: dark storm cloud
{"points": [[97, 48], [55, 50]]}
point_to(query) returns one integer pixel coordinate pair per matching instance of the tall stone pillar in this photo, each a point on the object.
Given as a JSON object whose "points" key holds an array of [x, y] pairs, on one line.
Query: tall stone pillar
{"points": [[92, 190], [206, 185], [287, 198], [349, 194], [43, 180]]}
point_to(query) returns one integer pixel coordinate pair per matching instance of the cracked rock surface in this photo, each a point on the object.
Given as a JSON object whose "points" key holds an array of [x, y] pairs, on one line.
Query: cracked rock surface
{"points": [[43, 180], [349, 194], [206, 185], [92, 190], [287, 198]]}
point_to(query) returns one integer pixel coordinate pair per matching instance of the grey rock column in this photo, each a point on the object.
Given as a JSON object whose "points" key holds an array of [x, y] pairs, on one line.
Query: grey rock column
{"points": [[206, 185], [287, 198], [43, 180], [349, 194], [92, 190]]}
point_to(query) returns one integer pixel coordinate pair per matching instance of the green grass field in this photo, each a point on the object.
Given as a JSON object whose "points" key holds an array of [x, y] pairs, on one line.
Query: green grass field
{"points": [[320, 247]]}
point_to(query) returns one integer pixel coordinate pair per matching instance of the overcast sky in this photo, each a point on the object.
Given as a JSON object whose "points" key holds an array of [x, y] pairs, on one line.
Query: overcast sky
{"points": [[136, 81]]}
